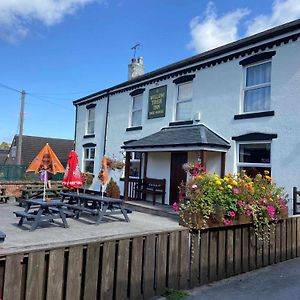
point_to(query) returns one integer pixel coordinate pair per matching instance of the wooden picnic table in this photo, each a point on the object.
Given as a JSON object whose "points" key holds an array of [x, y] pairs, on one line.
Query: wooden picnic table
{"points": [[44, 211], [99, 205], [37, 192]]}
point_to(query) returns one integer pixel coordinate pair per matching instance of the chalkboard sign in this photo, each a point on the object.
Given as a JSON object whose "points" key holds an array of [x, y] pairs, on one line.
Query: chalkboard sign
{"points": [[157, 102]]}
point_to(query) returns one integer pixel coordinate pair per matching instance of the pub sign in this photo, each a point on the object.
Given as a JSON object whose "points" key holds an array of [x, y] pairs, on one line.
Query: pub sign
{"points": [[157, 102]]}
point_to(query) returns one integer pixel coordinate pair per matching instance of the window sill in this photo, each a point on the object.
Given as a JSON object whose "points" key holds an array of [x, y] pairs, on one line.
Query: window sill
{"points": [[134, 128], [176, 123], [255, 115], [87, 136]]}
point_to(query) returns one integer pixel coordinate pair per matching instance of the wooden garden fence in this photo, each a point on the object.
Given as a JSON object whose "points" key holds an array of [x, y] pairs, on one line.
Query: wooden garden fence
{"points": [[142, 266]]}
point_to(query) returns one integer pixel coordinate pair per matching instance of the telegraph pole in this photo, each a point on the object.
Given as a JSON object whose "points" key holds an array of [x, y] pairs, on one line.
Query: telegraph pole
{"points": [[19, 146]]}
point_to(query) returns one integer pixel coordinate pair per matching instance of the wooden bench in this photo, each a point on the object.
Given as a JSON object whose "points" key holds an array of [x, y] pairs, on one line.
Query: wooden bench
{"points": [[154, 187], [2, 236]]}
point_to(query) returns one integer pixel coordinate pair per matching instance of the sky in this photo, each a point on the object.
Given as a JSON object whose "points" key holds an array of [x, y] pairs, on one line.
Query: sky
{"points": [[60, 50]]}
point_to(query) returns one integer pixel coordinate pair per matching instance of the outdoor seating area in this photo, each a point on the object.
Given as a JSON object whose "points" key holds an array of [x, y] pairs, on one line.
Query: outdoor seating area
{"points": [[82, 229]]}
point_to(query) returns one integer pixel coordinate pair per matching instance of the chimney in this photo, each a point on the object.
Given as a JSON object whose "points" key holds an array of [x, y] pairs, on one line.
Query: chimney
{"points": [[136, 69]]}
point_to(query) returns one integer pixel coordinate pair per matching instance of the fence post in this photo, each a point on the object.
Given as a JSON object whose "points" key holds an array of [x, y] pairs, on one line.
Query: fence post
{"points": [[294, 200]]}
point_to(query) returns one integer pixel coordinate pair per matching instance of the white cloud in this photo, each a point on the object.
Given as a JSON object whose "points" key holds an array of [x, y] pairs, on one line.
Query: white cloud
{"points": [[16, 15], [282, 12], [213, 30]]}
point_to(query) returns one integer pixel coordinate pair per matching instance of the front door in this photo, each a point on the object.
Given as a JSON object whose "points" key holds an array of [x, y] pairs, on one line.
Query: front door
{"points": [[177, 175]]}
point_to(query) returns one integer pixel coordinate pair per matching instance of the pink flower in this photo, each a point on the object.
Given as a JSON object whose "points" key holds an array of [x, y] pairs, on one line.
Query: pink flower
{"points": [[248, 213], [232, 214], [180, 199], [271, 212], [236, 191], [227, 222], [240, 203], [194, 186], [175, 206]]}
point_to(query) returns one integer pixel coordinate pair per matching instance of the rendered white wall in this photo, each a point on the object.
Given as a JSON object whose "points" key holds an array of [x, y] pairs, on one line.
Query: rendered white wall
{"points": [[159, 166], [217, 95]]}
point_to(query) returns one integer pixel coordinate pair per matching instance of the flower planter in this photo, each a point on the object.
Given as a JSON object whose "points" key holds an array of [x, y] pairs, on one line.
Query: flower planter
{"points": [[196, 221]]}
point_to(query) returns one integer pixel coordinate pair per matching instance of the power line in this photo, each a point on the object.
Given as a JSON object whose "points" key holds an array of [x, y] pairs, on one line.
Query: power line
{"points": [[10, 88]]}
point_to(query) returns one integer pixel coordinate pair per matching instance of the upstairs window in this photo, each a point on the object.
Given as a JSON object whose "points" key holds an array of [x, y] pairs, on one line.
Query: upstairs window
{"points": [[184, 101], [136, 111], [254, 157], [257, 89], [88, 160], [90, 128]]}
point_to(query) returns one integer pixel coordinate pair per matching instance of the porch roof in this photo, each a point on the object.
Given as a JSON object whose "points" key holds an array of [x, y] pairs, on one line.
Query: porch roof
{"points": [[192, 137]]}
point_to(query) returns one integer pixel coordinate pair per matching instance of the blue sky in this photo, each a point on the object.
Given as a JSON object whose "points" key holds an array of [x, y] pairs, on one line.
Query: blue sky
{"points": [[60, 50]]}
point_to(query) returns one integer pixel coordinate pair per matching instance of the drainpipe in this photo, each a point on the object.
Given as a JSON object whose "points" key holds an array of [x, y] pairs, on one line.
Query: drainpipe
{"points": [[106, 123]]}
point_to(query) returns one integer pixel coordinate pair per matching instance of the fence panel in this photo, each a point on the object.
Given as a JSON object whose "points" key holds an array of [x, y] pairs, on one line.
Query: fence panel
{"points": [[142, 266]]}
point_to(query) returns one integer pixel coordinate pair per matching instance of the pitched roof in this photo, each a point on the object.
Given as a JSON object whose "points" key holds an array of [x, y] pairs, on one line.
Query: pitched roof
{"points": [[31, 146], [207, 55], [180, 136]]}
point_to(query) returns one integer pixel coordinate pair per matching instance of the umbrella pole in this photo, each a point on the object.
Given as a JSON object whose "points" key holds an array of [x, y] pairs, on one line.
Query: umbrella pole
{"points": [[44, 193]]}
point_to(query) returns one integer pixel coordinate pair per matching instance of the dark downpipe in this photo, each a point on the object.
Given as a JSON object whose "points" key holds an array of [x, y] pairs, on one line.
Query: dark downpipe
{"points": [[106, 123]]}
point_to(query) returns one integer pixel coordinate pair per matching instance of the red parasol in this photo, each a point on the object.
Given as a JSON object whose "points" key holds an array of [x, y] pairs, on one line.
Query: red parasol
{"points": [[72, 178]]}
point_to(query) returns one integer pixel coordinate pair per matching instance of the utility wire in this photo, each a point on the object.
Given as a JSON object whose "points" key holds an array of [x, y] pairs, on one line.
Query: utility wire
{"points": [[10, 88]]}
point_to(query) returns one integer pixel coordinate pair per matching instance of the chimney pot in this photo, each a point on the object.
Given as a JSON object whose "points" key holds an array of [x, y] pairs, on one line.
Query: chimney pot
{"points": [[133, 60], [140, 60]]}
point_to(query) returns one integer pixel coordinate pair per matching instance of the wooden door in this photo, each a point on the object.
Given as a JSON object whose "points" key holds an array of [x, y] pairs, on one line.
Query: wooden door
{"points": [[177, 175]]}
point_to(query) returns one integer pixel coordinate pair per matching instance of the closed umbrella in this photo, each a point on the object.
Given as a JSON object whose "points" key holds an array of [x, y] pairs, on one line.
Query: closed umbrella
{"points": [[46, 163], [103, 174], [72, 178]]}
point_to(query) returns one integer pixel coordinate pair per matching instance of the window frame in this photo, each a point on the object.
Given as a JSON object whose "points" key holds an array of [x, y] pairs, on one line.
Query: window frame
{"points": [[182, 100], [259, 165], [89, 158], [88, 121], [254, 87], [136, 110]]}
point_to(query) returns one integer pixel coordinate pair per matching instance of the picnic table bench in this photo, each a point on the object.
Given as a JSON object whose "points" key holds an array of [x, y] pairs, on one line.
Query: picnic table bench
{"points": [[46, 211], [2, 236], [96, 205], [3, 197], [152, 186], [32, 192]]}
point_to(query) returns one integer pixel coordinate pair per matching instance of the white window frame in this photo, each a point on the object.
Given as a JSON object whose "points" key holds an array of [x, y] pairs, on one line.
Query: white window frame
{"points": [[253, 87], [182, 100], [259, 165], [136, 160], [89, 157], [88, 120], [136, 110]]}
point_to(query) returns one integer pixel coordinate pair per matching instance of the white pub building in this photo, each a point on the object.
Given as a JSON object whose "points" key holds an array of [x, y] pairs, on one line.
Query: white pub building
{"points": [[235, 107]]}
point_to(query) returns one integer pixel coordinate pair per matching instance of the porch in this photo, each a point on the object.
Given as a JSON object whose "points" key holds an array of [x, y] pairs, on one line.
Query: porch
{"points": [[163, 154]]}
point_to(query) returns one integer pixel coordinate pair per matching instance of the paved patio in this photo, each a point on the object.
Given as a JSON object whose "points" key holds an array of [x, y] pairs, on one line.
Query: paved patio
{"points": [[82, 230]]}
